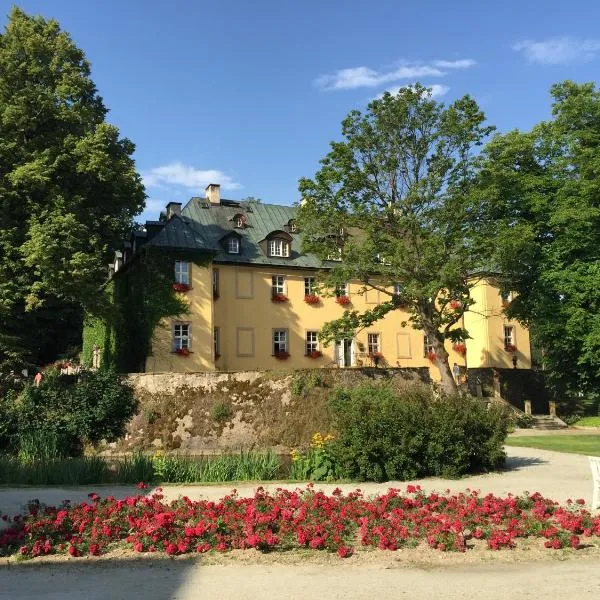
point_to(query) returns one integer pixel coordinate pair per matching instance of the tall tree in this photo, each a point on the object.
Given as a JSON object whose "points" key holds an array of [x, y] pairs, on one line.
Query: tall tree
{"points": [[68, 185], [541, 194], [392, 201]]}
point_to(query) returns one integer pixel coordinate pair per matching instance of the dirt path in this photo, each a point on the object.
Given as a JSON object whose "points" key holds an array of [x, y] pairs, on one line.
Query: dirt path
{"points": [[188, 580]]}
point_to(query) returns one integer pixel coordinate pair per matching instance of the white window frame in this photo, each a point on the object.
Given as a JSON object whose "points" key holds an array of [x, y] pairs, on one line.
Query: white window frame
{"points": [[427, 345], [182, 336], [311, 342], [279, 248], [240, 221], [280, 341], [341, 290], [509, 336], [278, 285], [398, 289], [182, 272], [373, 343], [309, 286], [217, 341], [293, 227], [233, 245]]}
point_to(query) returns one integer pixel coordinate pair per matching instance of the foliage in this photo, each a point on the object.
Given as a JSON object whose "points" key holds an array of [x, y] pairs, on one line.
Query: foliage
{"points": [[295, 519], [221, 412], [65, 412], [68, 190], [303, 381], [316, 463], [391, 201], [539, 192], [386, 435]]}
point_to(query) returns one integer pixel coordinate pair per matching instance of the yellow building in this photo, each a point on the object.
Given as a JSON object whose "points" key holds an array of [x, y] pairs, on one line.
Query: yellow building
{"points": [[253, 305]]}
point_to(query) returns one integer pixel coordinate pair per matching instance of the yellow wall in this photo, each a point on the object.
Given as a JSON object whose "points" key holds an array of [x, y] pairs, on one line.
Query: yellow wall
{"points": [[246, 317]]}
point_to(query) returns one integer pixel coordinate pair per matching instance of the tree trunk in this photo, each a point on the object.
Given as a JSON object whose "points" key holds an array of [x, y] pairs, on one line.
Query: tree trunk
{"points": [[447, 382]]}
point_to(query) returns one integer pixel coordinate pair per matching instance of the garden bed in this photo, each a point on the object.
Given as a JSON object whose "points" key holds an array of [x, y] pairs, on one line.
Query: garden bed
{"points": [[300, 521]]}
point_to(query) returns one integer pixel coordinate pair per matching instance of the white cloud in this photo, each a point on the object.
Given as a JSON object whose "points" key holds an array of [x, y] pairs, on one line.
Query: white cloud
{"points": [[437, 90], [356, 77], [177, 173], [558, 50]]}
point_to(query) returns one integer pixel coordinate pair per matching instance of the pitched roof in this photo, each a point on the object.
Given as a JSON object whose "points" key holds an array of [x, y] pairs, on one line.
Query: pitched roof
{"points": [[178, 234]]}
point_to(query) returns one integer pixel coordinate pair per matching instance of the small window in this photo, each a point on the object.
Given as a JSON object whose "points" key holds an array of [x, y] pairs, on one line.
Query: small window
{"points": [[309, 286], [280, 341], [233, 245], [217, 342], [509, 337], [336, 255], [240, 221], [279, 248], [278, 285], [507, 298], [398, 289], [311, 342], [182, 339], [215, 283], [341, 290], [292, 226], [182, 272], [427, 346], [373, 343]]}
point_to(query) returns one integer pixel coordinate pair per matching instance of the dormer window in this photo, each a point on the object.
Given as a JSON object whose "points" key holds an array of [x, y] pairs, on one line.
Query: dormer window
{"points": [[292, 226], [279, 247], [233, 245], [239, 221]]}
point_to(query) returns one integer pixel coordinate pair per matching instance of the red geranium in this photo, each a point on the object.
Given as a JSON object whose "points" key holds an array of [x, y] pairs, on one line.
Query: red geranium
{"points": [[432, 356], [454, 304], [311, 299], [279, 298], [510, 348], [182, 351], [342, 300], [315, 354], [181, 287], [283, 355], [460, 348]]}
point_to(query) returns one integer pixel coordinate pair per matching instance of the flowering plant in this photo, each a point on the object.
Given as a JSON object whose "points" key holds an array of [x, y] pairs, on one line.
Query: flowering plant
{"points": [[342, 300], [181, 287], [432, 356], [315, 354], [376, 355], [182, 351], [279, 298], [311, 299], [510, 348], [460, 348], [282, 355], [454, 304], [296, 519]]}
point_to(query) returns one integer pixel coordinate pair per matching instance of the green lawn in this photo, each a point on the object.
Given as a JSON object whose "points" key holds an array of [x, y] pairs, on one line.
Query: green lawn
{"points": [[576, 444], [588, 422]]}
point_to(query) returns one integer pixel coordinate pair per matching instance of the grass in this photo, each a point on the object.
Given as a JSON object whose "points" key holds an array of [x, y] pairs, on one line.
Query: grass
{"points": [[574, 444], [588, 422]]}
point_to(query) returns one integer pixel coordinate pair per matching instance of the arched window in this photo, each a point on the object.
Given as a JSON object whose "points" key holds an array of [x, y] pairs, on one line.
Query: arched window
{"points": [[278, 244]]}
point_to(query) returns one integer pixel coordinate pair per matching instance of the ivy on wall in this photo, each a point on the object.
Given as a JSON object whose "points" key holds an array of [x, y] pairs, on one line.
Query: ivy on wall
{"points": [[138, 297]]}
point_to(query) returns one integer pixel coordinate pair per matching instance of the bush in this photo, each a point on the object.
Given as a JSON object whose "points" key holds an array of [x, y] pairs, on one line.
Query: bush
{"points": [[65, 412], [400, 435]]}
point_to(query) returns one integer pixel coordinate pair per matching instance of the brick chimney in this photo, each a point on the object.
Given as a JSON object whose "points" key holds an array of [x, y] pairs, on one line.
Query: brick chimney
{"points": [[173, 208], [213, 193]]}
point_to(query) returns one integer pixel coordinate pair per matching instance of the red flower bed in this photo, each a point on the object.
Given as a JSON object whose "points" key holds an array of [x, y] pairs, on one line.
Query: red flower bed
{"points": [[296, 519], [460, 348], [181, 287], [279, 298], [342, 300], [311, 299]]}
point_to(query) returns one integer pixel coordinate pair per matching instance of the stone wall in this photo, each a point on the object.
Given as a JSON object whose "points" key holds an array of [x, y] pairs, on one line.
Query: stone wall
{"points": [[219, 412]]}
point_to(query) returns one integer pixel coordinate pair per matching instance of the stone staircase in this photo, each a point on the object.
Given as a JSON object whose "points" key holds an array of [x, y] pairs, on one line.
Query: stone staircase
{"points": [[548, 422]]}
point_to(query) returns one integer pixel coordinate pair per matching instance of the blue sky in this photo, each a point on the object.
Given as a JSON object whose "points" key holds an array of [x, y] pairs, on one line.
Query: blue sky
{"points": [[249, 94]]}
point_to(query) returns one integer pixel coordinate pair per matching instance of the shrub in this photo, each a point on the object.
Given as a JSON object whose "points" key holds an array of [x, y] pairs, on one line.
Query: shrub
{"points": [[385, 435], [221, 412]]}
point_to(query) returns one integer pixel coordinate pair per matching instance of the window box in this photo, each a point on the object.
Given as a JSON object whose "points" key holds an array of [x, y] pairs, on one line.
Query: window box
{"points": [[181, 287], [311, 299], [460, 348], [282, 355], [279, 298], [314, 354], [342, 300], [182, 351], [510, 348], [431, 356]]}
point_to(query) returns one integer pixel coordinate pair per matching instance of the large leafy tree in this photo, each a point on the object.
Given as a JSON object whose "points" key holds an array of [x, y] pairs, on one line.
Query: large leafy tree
{"points": [[68, 185], [541, 194], [392, 201]]}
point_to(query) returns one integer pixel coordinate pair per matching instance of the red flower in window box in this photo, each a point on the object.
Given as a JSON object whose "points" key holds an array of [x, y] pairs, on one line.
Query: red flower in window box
{"points": [[510, 348], [315, 354], [183, 351], [283, 355], [432, 356], [460, 348], [279, 298], [311, 299], [454, 304], [342, 300], [181, 287]]}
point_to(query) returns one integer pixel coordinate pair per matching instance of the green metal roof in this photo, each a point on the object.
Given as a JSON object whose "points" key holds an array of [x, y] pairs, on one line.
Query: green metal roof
{"points": [[213, 223]]}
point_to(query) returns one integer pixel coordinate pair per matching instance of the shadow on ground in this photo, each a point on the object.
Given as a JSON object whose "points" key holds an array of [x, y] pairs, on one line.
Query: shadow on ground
{"points": [[517, 463]]}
